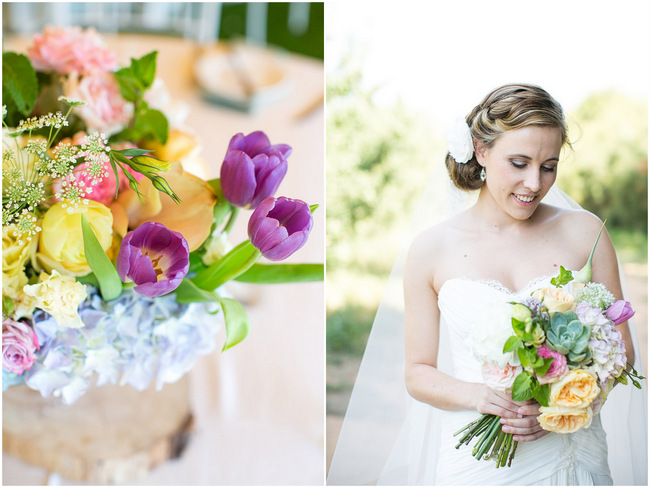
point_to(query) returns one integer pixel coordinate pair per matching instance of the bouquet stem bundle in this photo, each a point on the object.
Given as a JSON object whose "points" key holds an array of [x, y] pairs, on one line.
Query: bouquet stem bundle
{"points": [[502, 447]]}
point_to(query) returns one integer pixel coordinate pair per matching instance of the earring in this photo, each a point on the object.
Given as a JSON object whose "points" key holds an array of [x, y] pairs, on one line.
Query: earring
{"points": [[483, 174]]}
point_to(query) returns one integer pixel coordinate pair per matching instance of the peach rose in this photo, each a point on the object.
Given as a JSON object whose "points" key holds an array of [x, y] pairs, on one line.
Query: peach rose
{"points": [[498, 378], [576, 390], [564, 420], [555, 299]]}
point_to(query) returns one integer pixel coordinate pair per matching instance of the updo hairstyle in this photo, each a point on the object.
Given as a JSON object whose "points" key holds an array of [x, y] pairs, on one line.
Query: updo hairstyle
{"points": [[509, 107]]}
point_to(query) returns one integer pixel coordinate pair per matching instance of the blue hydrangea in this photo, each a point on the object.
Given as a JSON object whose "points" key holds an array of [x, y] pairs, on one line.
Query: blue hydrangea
{"points": [[133, 340]]}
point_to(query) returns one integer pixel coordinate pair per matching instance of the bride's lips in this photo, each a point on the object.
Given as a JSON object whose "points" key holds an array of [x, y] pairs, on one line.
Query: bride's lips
{"points": [[524, 200]]}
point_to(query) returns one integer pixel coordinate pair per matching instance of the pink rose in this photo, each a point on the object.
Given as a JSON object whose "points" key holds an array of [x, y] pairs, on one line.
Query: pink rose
{"points": [[498, 378], [65, 50], [619, 312], [105, 110], [557, 370], [19, 343]]}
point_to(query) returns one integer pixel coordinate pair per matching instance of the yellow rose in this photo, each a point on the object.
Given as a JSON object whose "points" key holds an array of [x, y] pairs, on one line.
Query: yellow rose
{"points": [[14, 257], [555, 299], [61, 245], [59, 296], [576, 390], [564, 420]]}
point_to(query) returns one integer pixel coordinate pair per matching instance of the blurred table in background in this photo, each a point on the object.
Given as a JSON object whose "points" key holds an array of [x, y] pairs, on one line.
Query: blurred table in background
{"points": [[260, 407]]}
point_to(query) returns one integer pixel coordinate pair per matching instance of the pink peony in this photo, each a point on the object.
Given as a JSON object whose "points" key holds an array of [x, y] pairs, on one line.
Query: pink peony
{"points": [[619, 312], [67, 50], [105, 110], [19, 343], [498, 378], [557, 370]]}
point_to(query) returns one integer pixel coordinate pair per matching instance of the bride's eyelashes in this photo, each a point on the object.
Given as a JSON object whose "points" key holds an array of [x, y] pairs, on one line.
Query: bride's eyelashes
{"points": [[521, 165]]}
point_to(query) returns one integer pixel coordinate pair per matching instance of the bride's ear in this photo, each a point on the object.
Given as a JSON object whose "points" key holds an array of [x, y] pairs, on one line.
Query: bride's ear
{"points": [[479, 150]]}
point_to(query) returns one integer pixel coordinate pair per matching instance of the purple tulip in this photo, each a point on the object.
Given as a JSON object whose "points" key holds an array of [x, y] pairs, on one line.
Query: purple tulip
{"points": [[155, 258], [279, 227], [19, 345], [252, 169], [619, 312]]}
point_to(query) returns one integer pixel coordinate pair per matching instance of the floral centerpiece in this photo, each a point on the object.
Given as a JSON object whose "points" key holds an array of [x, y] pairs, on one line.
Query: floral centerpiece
{"points": [[559, 346], [114, 258]]}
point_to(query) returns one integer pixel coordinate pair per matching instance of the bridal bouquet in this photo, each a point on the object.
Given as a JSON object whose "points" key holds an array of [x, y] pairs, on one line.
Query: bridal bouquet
{"points": [[559, 346], [113, 259]]}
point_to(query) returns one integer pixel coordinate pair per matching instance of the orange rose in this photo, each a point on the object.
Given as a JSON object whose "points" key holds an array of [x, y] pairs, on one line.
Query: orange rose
{"points": [[564, 420], [576, 390]]}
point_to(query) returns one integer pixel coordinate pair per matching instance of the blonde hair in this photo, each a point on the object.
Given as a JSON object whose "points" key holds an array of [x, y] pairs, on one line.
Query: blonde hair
{"points": [[509, 107]]}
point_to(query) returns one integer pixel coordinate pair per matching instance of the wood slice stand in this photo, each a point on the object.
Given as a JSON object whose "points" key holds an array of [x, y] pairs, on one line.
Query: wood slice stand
{"points": [[112, 434]]}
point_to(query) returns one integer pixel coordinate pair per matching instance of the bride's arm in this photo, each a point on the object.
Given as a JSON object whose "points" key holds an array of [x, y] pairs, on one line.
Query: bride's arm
{"points": [[605, 270], [421, 315]]}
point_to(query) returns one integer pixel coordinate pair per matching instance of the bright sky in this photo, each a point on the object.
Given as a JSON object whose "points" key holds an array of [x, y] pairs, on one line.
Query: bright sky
{"points": [[445, 56]]}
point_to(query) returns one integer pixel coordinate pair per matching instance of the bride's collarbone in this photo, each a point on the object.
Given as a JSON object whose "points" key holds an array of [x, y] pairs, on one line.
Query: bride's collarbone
{"points": [[512, 262]]}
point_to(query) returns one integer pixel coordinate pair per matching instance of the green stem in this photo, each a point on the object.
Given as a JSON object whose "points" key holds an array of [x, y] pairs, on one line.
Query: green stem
{"points": [[231, 220]]}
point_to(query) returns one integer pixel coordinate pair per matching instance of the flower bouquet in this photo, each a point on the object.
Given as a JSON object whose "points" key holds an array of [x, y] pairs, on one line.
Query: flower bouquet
{"points": [[113, 258], [559, 346]]}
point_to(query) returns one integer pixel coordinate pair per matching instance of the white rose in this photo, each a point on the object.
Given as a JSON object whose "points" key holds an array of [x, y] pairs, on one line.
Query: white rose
{"points": [[459, 141], [490, 332]]}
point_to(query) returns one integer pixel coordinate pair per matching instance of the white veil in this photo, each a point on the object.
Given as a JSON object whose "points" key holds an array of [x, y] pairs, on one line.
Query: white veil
{"points": [[387, 436]]}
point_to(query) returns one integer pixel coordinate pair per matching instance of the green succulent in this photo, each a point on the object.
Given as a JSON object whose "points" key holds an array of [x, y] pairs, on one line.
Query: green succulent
{"points": [[568, 336]]}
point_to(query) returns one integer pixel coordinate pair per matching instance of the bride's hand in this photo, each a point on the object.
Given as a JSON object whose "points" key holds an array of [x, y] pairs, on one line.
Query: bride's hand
{"points": [[525, 426], [518, 418]]}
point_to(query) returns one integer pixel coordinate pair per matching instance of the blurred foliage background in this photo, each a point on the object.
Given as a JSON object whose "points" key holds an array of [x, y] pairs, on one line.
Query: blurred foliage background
{"points": [[379, 159]]}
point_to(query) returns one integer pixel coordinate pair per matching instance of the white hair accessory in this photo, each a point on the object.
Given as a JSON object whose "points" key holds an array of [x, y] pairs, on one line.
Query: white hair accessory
{"points": [[459, 141]]}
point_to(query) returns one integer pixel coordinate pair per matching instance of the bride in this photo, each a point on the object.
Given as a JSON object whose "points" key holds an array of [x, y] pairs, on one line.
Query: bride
{"points": [[506, 245]]}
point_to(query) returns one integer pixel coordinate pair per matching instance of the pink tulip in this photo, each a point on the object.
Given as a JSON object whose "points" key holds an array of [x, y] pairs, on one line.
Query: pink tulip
{"points": [[619, 312]]}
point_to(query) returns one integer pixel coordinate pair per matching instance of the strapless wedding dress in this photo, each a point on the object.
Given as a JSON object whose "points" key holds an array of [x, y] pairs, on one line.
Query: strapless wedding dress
{"points": [[555, 459]]}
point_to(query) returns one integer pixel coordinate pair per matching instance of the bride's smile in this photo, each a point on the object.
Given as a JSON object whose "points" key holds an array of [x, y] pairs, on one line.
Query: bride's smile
{"points": [[521, 168]]}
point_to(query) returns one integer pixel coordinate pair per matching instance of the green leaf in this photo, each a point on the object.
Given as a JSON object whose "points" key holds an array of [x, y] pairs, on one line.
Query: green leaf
{"points": [[544, 366], [511, 344], [237, 324], [563, 278], [238, 260], [89, 279], [19, 82], [188, 292], [8, 305], [521, 388], [145, 68], [130, 86], [541, 393], [282, 273], [110, 283], [152, 123], [134, 151]]}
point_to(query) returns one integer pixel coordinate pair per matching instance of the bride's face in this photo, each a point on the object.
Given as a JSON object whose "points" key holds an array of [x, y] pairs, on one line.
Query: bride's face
{"points": [[521, 168]]}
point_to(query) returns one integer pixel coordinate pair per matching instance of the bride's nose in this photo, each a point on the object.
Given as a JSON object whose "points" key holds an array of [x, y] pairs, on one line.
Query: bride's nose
{"points": [[533, 180]]}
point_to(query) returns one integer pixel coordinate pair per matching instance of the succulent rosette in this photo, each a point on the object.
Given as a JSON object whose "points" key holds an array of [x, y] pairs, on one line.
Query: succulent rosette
{"points": [[570, 337]]}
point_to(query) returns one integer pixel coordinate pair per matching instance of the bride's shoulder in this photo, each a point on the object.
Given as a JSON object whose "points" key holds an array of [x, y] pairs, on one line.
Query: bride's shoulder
{"points": [[574, 221], [433, 241]]}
